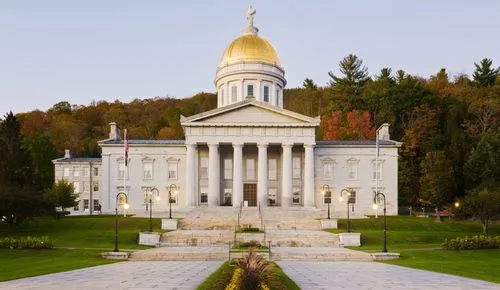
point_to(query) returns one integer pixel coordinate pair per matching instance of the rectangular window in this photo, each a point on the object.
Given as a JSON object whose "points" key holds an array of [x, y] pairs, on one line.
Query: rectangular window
{"points": [[172, 170], [277, 98], [96, 171], [86, 186], [272, 196], [122, 171], [77, 206], [296, 167], [146, 192], [296, 195], [85, 204], [377, 170], [76, 171], [250, 169], [147, 170], [273, 170], [228, 169], [66, 171], [95, 205], [228, 197], [234, 94], [327, 170], [352, 171], [76, 186], [204, 167], [204, 195], [266, 94], [250, 91], [86, 172], [96, 186]]}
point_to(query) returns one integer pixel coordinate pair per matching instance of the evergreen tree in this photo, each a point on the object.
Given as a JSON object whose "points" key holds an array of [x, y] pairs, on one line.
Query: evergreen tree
{"points": [[485, 75], [351, 83]]}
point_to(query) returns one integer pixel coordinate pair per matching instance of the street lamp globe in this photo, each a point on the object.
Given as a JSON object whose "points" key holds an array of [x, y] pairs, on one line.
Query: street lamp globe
{"points": [[126, 206], [375, 206], [457, 204]]}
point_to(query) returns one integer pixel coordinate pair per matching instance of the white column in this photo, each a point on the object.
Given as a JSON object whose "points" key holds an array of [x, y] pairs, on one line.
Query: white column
{"points": [[213, 174], [237, 174], [262, 175], [286, 188], [309, 175], [191, 175]]}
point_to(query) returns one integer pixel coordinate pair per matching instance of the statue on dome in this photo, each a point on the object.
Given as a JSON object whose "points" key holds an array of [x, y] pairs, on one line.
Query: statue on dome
{"points": [[250, 15]]}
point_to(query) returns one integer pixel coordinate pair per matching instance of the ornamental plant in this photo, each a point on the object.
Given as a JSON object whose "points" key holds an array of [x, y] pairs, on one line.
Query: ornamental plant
{"points": [[26, 243], [472, 243]]}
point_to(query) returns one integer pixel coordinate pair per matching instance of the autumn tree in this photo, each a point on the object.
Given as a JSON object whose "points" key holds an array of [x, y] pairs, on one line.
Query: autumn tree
{"points": [[437, 181], [354, 125]]}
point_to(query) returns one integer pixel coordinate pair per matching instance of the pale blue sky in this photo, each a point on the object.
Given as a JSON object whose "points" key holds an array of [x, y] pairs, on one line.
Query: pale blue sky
{"points": [[80, 51]]}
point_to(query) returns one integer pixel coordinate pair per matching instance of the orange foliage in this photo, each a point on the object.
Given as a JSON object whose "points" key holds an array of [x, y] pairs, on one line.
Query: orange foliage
{"points": [[354, 125]]}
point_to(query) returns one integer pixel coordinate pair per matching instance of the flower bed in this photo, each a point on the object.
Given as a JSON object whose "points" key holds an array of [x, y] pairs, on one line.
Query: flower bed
{"points": [[26, 243], [472, 243]]}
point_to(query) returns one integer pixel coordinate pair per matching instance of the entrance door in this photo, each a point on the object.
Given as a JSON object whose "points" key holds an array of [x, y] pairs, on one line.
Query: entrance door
{"points": [[250, 193]]}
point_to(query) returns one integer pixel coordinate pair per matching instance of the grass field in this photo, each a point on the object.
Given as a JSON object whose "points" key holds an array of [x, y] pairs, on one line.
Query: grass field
{"points": [[84, 231], [88, 235], [418, 240], [26, 263], [404, 232]]}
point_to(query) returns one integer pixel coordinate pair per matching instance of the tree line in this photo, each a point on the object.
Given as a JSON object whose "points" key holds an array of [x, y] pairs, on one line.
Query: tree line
{"points": [[449, 127]]}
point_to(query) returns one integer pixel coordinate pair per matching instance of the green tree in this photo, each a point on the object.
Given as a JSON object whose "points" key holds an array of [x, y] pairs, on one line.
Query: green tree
{"points": [[354, 77], [437, 181], [61, 195], [485, 75], [483, 204], [42, 152], [482, 168], [17, 203]]}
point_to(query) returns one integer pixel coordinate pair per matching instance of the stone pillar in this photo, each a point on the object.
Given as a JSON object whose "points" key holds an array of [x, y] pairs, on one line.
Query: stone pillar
{"points": [[237, 174], [213, 174], [262, 175], [191, 175], [309, 175], [286, 188]]}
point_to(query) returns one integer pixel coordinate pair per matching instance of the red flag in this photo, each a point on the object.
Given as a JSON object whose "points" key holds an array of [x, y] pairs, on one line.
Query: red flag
{"points": [[126, 146]]}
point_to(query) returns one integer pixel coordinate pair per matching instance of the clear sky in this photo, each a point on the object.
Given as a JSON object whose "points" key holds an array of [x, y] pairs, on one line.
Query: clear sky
{"points": [[80, 51]]}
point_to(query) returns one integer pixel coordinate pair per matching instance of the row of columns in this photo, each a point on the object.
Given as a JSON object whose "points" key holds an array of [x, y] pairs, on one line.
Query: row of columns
{"points": [[262, 175]]}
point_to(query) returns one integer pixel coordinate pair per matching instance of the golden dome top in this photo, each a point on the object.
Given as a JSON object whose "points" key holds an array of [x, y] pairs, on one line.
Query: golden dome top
{"points": [[250, 48]]}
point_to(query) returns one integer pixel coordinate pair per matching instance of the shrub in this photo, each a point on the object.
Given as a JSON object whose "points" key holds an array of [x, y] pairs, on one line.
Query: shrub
{"points": [[472, 243], [251, 244], [250, 230], [26, 243], [257, 272]]}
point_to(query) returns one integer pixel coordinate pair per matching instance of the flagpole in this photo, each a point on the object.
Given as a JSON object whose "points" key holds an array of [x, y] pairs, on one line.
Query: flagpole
{"points": [[125, 152]]}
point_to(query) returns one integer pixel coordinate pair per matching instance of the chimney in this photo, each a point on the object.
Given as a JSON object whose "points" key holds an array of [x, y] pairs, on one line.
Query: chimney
{"points": [[67, 154], [383, 132], [114, 131]]}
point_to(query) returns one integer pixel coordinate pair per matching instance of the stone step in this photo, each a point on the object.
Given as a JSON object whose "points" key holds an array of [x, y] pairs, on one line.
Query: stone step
{"points": [[319, 254], [190, 238], [181, 254]]}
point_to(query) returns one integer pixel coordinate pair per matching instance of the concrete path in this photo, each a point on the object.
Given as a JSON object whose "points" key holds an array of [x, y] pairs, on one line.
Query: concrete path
{"points": [[124, 275], [371, 275]]}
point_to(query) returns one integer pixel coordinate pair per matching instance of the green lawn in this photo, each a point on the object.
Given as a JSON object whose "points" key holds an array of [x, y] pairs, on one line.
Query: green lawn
{"points": [[477, 264], [405, 232], [26, 263], [84, 231]]}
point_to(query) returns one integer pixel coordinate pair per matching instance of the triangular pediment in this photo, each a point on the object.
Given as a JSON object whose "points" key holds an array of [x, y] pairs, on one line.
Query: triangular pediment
{"points": [[250, 113]]}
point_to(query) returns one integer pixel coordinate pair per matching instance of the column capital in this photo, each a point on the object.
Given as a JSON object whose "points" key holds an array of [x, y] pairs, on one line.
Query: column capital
{"points": [[309, 145], [237, 144], [286, 145], [263, 145], [191, 145], [213, 144]]}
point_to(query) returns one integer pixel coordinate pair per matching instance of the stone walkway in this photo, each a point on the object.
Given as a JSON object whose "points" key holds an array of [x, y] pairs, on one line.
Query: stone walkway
{"points": [[125, 275], [371, 275]]}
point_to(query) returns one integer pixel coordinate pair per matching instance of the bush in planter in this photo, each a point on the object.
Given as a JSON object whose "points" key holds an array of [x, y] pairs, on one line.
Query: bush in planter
{"points": [[472, 243], [251, 244], [250, 230], [26, 243]]}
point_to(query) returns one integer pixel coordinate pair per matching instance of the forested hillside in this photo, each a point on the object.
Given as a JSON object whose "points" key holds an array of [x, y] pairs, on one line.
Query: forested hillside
{"points": [[449, 125]]}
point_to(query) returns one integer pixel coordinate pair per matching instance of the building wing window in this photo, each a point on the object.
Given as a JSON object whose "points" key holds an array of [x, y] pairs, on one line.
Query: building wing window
{"points": [[86, 172], [86, 186], [272, 168], [352, 197], [66, 171], [228, 169], [96, 186], [76, 171], [377, 170], [76, 187], [250, 91], [352, 169], [122, 170], [204, 167], [147, 170], [266, 94], [328, 170], [172, 170], [96, 171]]}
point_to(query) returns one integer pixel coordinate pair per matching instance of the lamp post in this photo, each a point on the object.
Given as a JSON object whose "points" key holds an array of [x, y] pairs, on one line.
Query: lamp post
{"points": [[375, 206], [125, 206], [327, 194], [341, 198], [154, 192], [171, 190]]}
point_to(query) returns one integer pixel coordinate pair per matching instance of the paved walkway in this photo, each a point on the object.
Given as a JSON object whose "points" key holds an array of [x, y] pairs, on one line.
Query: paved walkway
{"points": [[125, 275], [371, 275]]}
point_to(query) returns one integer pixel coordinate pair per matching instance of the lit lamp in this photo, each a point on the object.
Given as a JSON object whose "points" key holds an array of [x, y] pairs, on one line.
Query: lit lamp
{"points": [[327, 196], [375, 207], [172, 191], [125, 206], [457, 204], [348, 192], [154, 192]]}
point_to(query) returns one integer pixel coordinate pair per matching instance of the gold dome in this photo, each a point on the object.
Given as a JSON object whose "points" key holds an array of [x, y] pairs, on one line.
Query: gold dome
{"points": [[250, 48]]}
